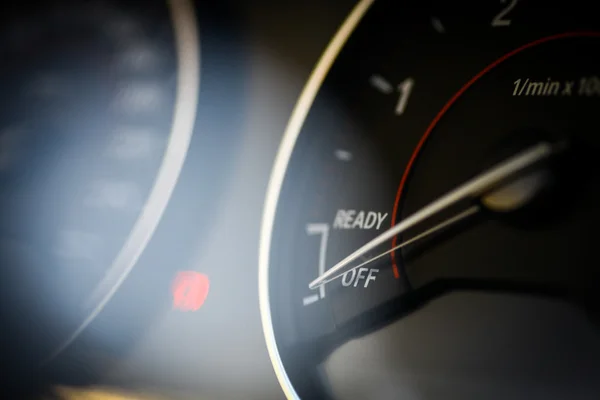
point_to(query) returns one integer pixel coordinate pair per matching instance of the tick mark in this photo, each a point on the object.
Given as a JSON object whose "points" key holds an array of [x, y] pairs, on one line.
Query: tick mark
{"points": [[381, 84], [310, 299], [343, 155], [437, 25]]}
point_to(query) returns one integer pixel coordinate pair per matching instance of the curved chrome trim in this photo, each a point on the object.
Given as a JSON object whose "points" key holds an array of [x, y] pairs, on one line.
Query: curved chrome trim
{"points": [[282, 159], [182, 128]]}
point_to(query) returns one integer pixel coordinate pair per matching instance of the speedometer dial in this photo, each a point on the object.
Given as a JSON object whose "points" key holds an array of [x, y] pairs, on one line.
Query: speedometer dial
{"points": [[439, 151], [99, 106]]}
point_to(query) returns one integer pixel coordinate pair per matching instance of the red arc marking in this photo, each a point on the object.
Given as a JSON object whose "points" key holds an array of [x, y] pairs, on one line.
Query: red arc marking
{"points": [[449, 104]]}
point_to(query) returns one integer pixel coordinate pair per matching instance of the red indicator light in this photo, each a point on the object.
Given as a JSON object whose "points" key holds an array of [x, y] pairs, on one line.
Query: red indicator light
{"points": [[189, 289]]}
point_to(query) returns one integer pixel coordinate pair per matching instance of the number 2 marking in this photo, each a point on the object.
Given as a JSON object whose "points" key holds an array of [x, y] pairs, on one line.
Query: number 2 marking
{"points": [[500, 19]]}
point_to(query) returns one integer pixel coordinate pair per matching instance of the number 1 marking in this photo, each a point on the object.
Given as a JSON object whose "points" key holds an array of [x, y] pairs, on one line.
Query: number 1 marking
{"points": [[405, 88]]}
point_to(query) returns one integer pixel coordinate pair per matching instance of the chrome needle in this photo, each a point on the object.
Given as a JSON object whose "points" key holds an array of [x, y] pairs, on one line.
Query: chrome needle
{"points": [[472, 188], [442, 225]]}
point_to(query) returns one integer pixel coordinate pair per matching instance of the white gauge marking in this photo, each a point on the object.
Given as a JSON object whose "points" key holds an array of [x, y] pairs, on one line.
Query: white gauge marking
{"points": [[361, 219], [130, 142], [323, 230], [405, 89], [186, 100], [118, 195], [139, 57], [282, 160], [139, 97], [343, 155], [310, 299], [437, 25], [381, 84], [73, 244], [472, 188]]}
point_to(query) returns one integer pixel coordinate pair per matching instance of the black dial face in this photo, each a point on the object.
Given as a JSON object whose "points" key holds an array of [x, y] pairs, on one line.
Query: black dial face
{"points": [[92, 138], [424, 99]]}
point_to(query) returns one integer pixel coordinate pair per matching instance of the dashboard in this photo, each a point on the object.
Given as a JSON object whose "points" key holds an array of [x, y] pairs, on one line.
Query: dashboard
{"points": [[317, 200]]}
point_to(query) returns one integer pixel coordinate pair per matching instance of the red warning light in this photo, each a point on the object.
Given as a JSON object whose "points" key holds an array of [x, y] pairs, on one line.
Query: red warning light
{"points": [[190, 289]]}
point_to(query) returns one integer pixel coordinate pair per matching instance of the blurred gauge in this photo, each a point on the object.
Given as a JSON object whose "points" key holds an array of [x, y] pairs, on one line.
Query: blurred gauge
{"points": [[99, 105], [439, 148]]}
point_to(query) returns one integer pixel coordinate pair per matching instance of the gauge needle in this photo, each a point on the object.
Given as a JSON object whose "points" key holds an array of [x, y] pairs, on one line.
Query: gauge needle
{"points": [[442, 225], [475, 187]]}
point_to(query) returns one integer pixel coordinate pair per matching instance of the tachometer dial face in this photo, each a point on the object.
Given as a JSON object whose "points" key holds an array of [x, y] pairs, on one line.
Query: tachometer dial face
{"points": [[99, 101], [412, 101]]}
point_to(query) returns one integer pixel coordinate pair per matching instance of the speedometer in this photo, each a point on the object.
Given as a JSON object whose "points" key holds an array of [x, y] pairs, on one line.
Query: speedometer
{"points": [[99, 104], [435, 192]]}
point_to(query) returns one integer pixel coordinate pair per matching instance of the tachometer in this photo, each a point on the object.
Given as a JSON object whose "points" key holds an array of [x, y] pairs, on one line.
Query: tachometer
{"points": [[438, 150]]}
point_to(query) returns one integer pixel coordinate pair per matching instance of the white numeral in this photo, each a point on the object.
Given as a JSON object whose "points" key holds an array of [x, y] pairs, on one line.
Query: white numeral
{"points": [[500, 19], [405, 88]]}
